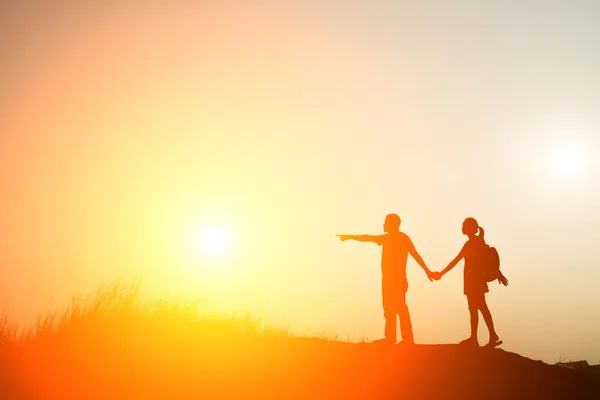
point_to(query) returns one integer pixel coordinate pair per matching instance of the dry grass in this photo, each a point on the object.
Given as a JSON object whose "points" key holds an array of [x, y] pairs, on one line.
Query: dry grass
{"points": [[121, 308], [114, 333]]}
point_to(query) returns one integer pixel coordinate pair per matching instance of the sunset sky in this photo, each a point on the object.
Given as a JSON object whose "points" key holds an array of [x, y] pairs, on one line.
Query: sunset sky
{"points": [[127, 132]]}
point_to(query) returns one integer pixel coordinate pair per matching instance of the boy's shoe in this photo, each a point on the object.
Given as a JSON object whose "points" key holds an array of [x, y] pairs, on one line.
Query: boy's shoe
{"points": [[384, 341]]}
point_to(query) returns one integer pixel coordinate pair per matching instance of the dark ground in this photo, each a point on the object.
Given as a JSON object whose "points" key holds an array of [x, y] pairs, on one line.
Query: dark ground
{"points": [[283, 368]]}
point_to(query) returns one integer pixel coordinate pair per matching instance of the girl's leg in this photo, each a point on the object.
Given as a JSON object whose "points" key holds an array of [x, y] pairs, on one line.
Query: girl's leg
{"points": [[474, 316], [487, 317]]}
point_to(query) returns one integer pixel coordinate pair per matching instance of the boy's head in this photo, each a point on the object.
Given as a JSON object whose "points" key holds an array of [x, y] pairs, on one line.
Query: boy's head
{"points": [[391, 224]]}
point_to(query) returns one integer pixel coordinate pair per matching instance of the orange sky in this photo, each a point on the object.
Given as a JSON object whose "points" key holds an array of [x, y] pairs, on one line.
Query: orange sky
{"points": [[125, 132]]}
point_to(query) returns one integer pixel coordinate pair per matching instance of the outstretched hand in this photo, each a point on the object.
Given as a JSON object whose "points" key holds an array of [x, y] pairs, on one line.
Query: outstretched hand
{"points": [[343, 238], [502, 280]]}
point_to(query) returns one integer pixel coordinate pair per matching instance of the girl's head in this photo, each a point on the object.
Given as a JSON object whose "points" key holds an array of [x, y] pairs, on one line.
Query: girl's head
{"points": [[470, 227]]}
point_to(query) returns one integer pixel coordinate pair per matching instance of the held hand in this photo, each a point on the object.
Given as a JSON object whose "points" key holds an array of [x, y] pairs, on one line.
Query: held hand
{"points": [[436, 275], [430, 275]]}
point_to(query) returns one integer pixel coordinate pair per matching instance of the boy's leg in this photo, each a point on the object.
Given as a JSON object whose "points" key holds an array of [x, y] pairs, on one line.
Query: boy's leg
{"points": [[389, 312], [405, 322]]}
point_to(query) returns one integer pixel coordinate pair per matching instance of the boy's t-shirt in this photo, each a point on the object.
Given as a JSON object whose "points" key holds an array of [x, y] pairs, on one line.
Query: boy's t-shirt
{"points": [[394, 256]]}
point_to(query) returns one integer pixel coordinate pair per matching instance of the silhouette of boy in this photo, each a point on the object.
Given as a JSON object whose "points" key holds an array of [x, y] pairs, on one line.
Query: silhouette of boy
{"points": [[396, 246]]}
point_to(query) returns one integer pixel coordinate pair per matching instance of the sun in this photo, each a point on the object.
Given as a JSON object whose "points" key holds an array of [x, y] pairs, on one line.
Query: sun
{"points": [[213, 241], [568, 160]]}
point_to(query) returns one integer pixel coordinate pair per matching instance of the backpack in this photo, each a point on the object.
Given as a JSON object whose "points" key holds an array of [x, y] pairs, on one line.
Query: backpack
{"points": [[490, 265]]}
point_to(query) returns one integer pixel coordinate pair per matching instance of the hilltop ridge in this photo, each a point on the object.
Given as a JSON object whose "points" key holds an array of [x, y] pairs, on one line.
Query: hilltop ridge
{"points": [[298, 368]]}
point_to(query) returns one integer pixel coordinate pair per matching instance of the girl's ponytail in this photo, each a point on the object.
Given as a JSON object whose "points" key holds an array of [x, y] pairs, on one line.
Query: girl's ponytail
{"points": [[481, 232]]}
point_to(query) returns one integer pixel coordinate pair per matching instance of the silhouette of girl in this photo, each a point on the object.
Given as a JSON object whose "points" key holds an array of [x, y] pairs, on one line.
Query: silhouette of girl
{"points": [[475, 286]]}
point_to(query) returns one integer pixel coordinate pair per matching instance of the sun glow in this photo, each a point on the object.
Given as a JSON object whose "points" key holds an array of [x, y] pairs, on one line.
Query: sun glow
{"points": [[568, 160], [213, 241]]}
